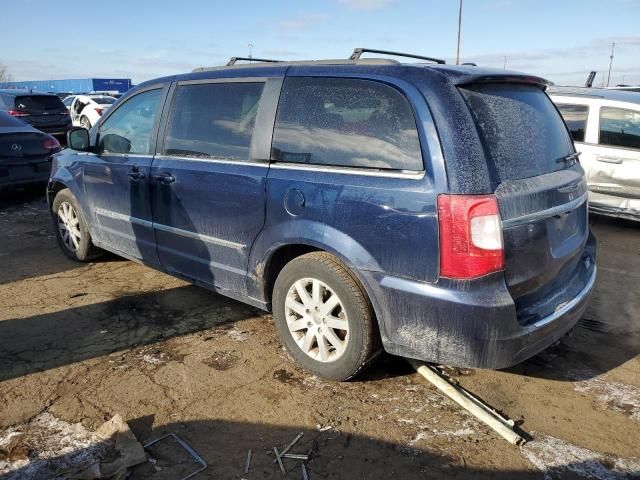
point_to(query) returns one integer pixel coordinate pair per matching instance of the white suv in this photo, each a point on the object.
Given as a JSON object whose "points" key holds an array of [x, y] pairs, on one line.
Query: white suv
{"points": [[86, 110], [605, 125]]}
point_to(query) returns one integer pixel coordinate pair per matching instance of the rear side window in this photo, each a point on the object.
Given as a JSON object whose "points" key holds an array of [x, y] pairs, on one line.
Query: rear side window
{"points": [[39, 103], [522, 133], [619, 127], [575, 116], [213, 120], [345, 122]]}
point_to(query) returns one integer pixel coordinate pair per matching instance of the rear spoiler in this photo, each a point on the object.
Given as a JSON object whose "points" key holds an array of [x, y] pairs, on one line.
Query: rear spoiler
{"points": [[504, 78]]}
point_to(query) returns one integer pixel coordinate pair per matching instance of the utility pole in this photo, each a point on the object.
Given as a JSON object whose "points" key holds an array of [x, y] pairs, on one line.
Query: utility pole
{"points": [[505, 62], [613, 46], [459, 29], [250, 48]]}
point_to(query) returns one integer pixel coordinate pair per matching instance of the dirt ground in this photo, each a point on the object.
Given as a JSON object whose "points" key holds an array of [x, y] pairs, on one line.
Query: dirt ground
{"points": [[80, 343]]}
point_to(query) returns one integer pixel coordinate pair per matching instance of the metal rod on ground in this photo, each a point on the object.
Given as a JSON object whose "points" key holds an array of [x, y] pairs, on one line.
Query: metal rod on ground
{"points": [[485, 414], [248, 464], [288, 447], [275, 449]]}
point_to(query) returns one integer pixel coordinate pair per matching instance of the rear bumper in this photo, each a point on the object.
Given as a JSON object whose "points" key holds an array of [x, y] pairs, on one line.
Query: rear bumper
{"points": [[464, 325], [28, 174]]}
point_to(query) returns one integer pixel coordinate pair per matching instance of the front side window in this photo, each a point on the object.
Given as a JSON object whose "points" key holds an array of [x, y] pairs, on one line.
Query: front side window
{"points": [[213, 120], [575, 116], [129, 129], [345, 122], [619, 127]]}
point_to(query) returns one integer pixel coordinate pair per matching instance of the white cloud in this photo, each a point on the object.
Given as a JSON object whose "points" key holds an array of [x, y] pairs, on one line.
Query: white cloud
{"points": [[366, 4]]}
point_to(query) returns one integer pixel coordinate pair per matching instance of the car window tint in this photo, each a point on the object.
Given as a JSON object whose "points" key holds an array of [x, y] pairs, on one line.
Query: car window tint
{"points": [[104, 100], [575, 116], [619, 127], [213, 120], [345, 122], [129, 128]]}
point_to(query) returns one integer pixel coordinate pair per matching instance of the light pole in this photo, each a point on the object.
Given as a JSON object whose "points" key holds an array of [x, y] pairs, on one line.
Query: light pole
{"points": [[613, 46], [459, 29], [250, 48]]}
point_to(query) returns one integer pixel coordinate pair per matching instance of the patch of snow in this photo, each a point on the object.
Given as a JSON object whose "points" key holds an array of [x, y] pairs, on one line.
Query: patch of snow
{"points": [[238, 335], [613, 395], [54, 447], [554, 456]]}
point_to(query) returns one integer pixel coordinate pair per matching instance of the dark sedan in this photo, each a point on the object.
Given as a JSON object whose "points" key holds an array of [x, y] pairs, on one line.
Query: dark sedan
{"points": [[25, 153]]}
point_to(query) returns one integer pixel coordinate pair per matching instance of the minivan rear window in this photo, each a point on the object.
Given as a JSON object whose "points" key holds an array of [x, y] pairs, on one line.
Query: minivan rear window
{"points": [[521, 130], [39, 103]]}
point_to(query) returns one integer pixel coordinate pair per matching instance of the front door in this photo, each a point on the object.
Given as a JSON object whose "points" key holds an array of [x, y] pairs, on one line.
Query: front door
{"points": [[116, 177], [208, 186]]}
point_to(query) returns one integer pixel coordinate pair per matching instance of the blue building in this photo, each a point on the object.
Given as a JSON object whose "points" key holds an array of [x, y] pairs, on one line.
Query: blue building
{"points": [[74, 85]]}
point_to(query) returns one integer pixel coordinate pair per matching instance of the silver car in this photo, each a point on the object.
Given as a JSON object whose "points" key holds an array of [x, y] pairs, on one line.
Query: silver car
{"points": [[605, 125]]}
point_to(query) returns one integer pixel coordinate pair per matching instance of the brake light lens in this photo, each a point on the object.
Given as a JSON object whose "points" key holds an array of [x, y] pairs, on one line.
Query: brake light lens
{"points": [[99, 111], [470, 236], [17, 113], [50, 143]]}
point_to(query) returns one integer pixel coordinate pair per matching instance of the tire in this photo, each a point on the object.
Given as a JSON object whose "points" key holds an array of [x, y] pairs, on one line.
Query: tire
{"points": [[349, 324], [85, 123], [67, 216]]}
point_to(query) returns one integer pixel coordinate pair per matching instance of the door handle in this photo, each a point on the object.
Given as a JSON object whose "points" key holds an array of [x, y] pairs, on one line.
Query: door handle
{"points": [[135, 174], [164, 178], [615, 160]]}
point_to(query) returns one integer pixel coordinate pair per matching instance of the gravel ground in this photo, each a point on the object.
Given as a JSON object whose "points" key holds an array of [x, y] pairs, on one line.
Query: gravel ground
{"points": [[81, 343]]}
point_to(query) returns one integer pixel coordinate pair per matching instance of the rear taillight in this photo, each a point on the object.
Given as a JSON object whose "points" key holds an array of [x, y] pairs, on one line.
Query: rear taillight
{"points": [[470, 236], [51, 144], [17, 113], [99, 111]]}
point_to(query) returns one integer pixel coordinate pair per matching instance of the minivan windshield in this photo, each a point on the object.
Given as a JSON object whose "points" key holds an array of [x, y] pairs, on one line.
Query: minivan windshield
{"points": [[521, 130]]}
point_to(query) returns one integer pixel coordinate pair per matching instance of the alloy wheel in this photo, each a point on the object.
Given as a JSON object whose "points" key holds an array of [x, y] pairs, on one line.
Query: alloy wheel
{"points": [[69, 226], [317, 320]]}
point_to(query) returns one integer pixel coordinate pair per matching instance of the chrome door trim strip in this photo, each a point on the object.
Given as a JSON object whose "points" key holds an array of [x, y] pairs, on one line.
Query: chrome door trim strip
{"points": [[349, 171], [212, 160], [177, 231]]}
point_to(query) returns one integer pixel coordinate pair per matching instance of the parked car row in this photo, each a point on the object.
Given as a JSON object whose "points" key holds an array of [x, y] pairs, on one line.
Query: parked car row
{"points": [[437, 212]]}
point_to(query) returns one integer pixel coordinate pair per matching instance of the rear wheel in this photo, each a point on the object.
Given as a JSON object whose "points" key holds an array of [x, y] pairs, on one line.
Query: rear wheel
{"points": [[71, 228], [323, 317], [85, 123]]}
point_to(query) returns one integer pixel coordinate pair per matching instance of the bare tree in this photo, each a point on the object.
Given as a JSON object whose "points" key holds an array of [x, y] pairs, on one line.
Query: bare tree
{"points": [[5, 76]]}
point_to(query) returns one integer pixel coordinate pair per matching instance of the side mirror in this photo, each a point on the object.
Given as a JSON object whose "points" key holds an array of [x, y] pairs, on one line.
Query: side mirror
{"points": [[78, 139]]}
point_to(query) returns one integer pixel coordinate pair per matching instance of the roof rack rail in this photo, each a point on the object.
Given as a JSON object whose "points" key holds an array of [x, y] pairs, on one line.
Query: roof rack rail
{"points": [[233, 60], [357, 53]]}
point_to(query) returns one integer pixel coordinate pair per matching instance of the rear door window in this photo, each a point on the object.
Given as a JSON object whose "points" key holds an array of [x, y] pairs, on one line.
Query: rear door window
{"points": [[619, 127], [575, 116], [39, 103], [345, 122], [522, 133], [213, 120]]}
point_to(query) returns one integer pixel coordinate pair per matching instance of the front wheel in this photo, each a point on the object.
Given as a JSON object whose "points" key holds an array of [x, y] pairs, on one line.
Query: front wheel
{"points": [[71, 228], [323, 317]]}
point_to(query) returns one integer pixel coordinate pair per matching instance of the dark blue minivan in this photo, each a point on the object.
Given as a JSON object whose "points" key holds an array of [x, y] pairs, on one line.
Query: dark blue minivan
{"points": [[436, 212]]}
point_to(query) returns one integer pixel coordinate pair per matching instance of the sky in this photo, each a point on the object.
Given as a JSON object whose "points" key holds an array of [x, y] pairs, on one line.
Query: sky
{"points": [[561, 40]]}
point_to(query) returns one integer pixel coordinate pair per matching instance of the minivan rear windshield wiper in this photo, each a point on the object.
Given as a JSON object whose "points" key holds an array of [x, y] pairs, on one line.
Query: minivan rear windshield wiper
{"points": [[570, 159]]}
